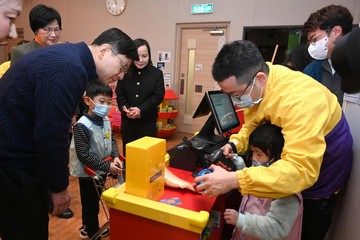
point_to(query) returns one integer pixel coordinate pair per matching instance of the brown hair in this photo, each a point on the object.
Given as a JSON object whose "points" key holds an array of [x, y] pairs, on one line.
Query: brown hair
{"points": [[328, 17]]}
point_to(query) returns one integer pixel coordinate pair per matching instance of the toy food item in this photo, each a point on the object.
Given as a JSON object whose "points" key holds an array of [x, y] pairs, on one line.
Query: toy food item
{"points": [[203, 172], [171, 180]]}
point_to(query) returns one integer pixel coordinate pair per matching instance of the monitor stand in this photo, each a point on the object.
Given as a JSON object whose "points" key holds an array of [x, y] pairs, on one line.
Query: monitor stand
{"points": [[207, 132], [208, 137]]}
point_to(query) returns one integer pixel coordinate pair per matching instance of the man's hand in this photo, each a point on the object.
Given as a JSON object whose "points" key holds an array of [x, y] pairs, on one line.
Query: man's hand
{"points": [[61, 201], [218, 182]]}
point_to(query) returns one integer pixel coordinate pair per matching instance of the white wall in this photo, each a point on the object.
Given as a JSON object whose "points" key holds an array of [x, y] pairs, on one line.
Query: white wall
{"points": [[346, 222], [156, 20]]}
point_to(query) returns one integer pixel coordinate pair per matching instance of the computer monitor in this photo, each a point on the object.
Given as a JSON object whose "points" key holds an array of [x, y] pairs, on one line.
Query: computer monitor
{"points": [[223, 116], [223, 111], [203, 109]]}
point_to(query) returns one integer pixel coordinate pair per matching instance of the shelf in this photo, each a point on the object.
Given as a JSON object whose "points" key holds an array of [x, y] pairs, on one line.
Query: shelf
{"points": [[163, 133], [167, 115]]}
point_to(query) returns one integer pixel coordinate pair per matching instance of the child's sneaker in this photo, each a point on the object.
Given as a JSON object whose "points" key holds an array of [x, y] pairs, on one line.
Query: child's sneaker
{"points": [[84, 234]]}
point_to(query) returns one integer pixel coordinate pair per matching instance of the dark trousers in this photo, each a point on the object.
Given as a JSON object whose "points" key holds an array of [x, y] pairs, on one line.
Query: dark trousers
{"points": [[317, 217], [23, 205], [132, 130], [90, 204]]}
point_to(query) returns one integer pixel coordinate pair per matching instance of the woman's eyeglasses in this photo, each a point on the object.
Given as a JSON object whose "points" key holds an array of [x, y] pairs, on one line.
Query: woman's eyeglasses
{"points": [[49, 30]]}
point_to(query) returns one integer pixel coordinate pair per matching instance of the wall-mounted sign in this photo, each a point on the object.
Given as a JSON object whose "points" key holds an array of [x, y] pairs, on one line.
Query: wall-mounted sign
{"points": [[202, 8]]}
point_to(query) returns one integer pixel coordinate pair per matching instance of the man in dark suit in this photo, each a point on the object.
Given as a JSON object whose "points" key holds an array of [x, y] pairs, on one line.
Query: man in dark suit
{"points": [[45, 22]]}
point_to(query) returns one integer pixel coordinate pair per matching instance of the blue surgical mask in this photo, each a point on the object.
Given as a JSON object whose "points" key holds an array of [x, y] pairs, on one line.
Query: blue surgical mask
{"points": [[101, 110], [245, 101], [264, 164]]}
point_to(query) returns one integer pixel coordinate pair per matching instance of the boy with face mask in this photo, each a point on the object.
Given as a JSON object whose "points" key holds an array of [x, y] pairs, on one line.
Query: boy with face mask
{"points": [[94, 142], [322, 29], [265, 218]]}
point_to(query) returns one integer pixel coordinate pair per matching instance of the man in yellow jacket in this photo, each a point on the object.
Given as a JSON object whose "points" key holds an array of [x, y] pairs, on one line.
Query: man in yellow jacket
{"points": [[317, 156]]}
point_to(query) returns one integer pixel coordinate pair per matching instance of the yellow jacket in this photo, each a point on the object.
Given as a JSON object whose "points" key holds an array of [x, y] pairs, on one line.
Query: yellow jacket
{"points": [[4, 67], [306, 111]]}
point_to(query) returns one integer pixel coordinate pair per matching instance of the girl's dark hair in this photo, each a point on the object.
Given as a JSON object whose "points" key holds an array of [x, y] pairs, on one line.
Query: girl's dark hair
{"points": [[269, 139], [40, 16], [95, 88]]}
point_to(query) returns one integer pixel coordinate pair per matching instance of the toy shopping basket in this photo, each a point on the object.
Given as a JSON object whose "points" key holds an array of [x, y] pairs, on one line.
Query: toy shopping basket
{"points": [[101, 185]]}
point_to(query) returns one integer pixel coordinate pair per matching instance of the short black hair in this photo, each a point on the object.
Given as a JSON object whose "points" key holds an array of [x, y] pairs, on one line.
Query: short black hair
{"points": [[119, 41], [241, 59], [95, 88], [269, 139], [40, 16]]}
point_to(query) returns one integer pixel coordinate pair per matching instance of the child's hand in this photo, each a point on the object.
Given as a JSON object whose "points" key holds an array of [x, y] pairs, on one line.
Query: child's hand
{"points": [[120, 164], [227, 151], [114, 170], [231, 216]]}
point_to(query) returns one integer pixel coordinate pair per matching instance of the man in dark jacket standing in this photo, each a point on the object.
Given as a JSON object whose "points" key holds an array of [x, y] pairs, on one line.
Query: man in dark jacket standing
{"points": [[38, 97]]}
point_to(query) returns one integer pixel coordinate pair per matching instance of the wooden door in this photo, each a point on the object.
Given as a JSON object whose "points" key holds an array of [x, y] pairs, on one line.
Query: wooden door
{"points": [[197, 51]]}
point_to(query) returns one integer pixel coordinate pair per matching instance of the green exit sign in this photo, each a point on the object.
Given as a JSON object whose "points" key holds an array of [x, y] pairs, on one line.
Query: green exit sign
{"points": [[202, 8]]}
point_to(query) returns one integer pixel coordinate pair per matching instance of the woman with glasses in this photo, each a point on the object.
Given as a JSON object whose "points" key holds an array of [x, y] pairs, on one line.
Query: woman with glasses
{"points": [[138, 96], [45, 22]]}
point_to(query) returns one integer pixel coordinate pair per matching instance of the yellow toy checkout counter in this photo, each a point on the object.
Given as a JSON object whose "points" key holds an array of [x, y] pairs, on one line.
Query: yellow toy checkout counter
{"points": [[143, 208]]}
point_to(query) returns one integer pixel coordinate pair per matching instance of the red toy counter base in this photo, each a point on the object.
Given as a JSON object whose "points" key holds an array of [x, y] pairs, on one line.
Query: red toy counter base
{"points": [[143, 221]]}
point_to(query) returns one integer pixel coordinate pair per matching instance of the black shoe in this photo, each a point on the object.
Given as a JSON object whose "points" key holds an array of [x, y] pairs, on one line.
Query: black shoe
{"points": [[66, 214]]}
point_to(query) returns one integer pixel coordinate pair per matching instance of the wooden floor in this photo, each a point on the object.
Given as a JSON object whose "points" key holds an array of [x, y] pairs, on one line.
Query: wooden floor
{"points": [[69, 228]]}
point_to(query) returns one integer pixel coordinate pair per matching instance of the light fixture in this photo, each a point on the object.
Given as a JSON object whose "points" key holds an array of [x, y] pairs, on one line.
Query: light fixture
{"points": [[216, 32]]}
